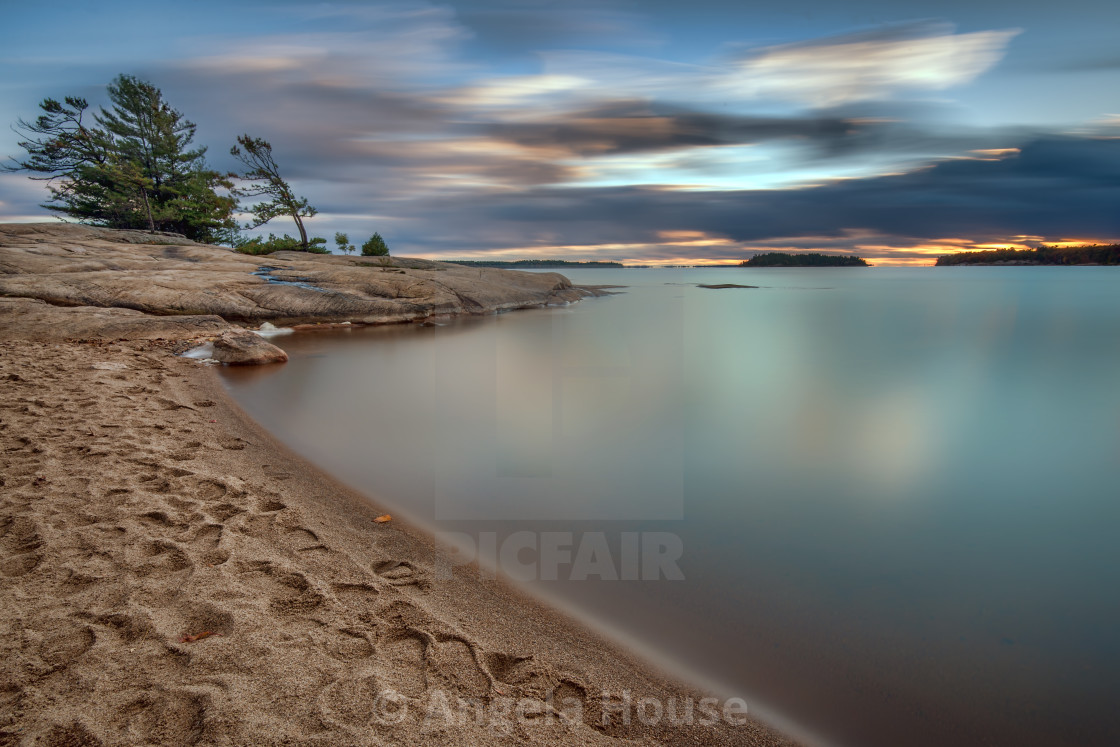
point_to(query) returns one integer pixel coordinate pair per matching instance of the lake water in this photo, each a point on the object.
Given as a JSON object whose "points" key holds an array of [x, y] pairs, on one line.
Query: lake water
{"points": [[895, 491]]}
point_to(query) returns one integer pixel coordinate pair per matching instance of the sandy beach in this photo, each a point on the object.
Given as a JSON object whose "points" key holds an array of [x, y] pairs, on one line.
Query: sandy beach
{"points": [[169, 574]]}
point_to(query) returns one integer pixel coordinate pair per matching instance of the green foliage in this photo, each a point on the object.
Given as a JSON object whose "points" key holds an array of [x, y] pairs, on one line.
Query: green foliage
{"points": [[343, 243], [133, 167], [59, 141], [264, 180], [284, 243], [1097, 254], [809, 259], [375, 247]]}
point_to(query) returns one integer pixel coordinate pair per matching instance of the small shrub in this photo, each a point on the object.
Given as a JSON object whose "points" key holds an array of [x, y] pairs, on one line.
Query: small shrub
{"points": [[375, 247], [285, 243], [343, 242]]}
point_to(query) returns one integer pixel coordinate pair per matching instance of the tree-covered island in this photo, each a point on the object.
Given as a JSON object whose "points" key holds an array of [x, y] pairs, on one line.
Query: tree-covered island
{"points": [[809, 259], [1097, 254]]}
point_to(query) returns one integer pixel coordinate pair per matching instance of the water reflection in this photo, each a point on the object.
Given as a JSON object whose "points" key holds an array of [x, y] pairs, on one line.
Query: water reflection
{"points": [[894, 488]]}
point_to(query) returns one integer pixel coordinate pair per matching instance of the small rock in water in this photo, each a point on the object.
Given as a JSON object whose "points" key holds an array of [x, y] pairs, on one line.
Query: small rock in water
{"points": [[268, 329], [242, 348]]}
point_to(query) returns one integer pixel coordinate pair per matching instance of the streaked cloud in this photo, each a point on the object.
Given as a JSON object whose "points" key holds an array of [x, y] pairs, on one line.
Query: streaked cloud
{"points": [[878, 64], [602, 140], [869, 65]]}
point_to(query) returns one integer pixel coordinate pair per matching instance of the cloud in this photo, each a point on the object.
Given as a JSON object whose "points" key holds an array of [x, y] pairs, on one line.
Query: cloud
{"points": [[636, 126], [826, 72], [20, 198], [868, 65], [382, 116], [1055, 187]]}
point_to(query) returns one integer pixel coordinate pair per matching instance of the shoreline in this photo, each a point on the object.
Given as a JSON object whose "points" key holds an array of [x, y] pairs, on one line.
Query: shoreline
{"points": [[172, 573], [124, 532]]}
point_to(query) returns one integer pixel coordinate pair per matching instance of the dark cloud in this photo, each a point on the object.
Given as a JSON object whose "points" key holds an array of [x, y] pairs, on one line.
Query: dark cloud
{"points": [[1055, 187], [635, 126], [318, 127]]}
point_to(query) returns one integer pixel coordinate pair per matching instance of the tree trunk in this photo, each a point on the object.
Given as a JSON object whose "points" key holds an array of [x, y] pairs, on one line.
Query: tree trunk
{"points": [[148, 208], [302, 232]]}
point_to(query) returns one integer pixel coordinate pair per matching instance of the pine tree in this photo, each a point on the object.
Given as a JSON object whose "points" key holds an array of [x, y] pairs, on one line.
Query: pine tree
{"points": [[264, 175], [59, 141], [132, 168], [375, 247], [170, 180]]}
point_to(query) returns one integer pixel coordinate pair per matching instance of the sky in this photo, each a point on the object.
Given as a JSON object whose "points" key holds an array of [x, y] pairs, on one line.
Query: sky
{"points": [[648, 132]]}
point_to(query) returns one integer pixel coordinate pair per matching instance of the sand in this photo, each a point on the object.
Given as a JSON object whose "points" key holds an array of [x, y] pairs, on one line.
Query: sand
{"points": [[140, 507]]}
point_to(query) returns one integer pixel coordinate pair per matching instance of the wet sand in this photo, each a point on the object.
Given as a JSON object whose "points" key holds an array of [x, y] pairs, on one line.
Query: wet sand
{"points": [[169, 574]]}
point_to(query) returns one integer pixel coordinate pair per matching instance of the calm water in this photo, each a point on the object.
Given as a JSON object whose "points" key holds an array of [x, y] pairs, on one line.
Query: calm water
{"points": [[896, 490]]}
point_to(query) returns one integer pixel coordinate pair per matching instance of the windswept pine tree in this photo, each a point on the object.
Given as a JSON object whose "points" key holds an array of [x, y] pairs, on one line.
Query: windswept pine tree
{"points": [[132, 167], [264, 180]]}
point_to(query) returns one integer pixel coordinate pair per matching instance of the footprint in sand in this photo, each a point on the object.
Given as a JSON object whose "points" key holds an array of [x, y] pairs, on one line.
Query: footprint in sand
{"points": [[74, 734], [62, 644], [207, 539], [416, 652], [165, 555], [289, 592], [200, 617], [210, 490], [348, 645], [159, 519], [129, 627], [167, 717], [20, 543], [401, 573], [269, 505], [305, 540]]}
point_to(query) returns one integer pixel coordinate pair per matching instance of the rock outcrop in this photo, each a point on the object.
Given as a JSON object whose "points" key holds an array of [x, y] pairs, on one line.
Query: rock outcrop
{"points": [[71, 265], [61, 281]]}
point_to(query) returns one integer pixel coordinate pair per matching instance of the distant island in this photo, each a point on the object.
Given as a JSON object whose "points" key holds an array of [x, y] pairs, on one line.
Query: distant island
{"points": [[813, 259], [528, 263], [1097, 254]]}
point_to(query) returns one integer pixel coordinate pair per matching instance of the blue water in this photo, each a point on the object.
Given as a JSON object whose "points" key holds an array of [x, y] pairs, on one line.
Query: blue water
{"points": [[895, 490]]}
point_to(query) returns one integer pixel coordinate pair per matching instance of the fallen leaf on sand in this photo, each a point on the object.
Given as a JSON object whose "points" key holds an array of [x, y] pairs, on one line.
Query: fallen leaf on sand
{"points": [[198, 637], [383, 518]]}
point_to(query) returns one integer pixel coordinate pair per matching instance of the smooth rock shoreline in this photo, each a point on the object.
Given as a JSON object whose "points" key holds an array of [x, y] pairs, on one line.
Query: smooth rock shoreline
{"points": [[63, 281]]}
